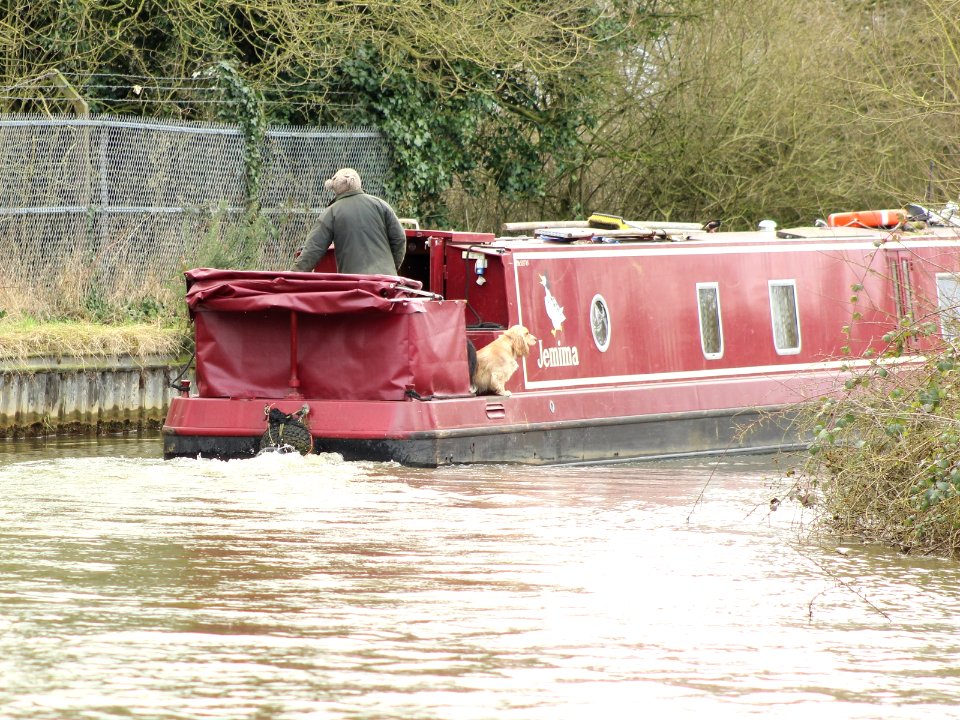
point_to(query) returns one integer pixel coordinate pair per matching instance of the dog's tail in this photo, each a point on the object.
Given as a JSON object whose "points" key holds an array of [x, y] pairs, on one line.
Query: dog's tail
{"points": [[471, 363]]}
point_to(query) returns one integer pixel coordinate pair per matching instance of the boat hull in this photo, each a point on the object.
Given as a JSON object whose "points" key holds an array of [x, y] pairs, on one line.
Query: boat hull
{"points": [[608, 440], [654, 420]]}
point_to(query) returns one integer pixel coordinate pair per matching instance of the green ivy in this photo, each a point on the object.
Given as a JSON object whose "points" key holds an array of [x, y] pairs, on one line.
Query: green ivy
{"points": [[510, 126]]}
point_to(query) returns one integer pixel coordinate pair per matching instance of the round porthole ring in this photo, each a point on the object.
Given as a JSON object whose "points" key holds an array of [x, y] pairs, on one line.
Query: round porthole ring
{"points": [[599, 301]]}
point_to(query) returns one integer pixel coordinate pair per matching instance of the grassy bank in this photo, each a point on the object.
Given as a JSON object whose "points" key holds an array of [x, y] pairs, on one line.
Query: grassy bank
{"points": [[23, 339]]}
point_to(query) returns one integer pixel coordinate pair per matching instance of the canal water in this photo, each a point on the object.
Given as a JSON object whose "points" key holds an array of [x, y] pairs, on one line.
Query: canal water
{"points": [[294, 588]]}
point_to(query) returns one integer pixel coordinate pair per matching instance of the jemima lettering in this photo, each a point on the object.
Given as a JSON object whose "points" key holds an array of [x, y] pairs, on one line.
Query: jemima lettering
{"points": [[560, 356]]}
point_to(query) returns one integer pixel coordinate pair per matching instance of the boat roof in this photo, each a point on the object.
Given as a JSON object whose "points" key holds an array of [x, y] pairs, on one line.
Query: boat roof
{"points": [[783, 236]]}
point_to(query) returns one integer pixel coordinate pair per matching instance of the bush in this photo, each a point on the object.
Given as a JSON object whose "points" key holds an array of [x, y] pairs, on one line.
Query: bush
{"points": [[885, 456]]}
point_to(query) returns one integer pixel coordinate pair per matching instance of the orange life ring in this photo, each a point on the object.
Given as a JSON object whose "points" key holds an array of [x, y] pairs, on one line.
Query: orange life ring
{"points": [[867, 218]]}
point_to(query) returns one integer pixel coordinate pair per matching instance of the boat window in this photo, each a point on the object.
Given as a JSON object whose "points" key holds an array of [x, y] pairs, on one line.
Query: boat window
{"points": [[600, 322], [711, 332], [786, 320], [948, 302]]}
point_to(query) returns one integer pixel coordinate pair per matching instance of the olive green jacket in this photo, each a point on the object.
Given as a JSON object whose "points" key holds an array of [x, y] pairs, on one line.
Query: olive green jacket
{"points": [[366, 234]]}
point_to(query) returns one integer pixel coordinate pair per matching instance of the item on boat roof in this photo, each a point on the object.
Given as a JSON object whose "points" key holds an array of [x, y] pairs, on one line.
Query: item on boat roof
{"points": [[607, 222], [946, 217], [602, 221], [823, 231], [637, 233], [510, 227], [615, 222], [867, 218], [614, 229], [563, 234]]}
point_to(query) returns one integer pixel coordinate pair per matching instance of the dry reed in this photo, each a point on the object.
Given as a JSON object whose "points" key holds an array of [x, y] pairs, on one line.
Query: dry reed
{"points": [[22, 340]]}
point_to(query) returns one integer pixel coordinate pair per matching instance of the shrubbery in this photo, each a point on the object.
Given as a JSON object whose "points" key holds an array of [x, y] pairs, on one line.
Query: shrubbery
{"points": [[885, 457], [545, 109]]}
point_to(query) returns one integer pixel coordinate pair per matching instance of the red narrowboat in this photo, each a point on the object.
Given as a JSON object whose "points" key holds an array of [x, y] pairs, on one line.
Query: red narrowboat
{"points": [[650, 342]]}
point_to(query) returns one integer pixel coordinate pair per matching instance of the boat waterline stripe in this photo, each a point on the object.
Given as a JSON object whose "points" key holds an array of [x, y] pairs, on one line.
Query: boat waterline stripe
{"points": [[721, 374]]}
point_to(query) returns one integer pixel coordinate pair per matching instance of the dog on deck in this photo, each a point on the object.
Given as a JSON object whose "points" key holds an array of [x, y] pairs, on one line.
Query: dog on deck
{"points": [[497, 362]]}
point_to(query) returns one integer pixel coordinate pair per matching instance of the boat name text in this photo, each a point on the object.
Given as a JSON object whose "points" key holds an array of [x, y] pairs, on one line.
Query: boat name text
{"points": [[560, 356]]}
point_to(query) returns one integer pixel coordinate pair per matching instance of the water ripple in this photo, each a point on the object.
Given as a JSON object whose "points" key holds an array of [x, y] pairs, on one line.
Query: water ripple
{"points": [[288, 587]]}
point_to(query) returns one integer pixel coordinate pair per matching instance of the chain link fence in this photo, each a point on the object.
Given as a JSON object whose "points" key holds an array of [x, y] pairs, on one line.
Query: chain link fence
{"points": [[100, 216]]}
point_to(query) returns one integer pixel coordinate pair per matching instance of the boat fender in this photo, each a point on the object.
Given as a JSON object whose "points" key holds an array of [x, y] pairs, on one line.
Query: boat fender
{"points": [[286, 431]]}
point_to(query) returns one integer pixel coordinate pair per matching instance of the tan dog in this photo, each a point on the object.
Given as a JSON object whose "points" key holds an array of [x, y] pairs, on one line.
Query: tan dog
{"points": [[497, 362]]}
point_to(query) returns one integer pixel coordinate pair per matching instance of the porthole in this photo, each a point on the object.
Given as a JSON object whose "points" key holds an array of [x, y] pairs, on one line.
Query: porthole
{"points": [[600, 322]]}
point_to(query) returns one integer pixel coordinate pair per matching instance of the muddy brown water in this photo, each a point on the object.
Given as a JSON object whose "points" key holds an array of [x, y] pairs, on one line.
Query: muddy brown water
{"points": [[288, 587]]}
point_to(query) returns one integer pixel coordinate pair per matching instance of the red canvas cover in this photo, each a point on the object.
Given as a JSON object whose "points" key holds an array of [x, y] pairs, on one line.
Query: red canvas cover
{"points": [[360, 340], [305, 292]]}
